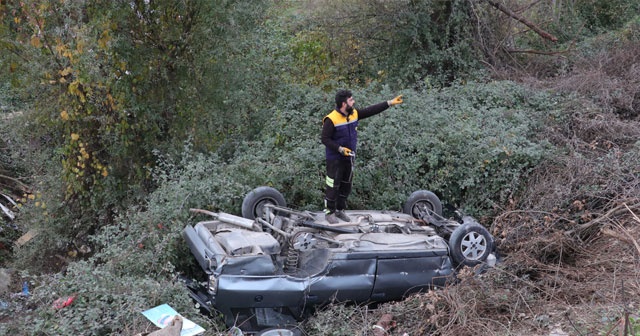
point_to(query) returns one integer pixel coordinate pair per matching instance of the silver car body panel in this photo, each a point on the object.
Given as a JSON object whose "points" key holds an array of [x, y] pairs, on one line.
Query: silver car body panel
{"points": [[297, 260]]}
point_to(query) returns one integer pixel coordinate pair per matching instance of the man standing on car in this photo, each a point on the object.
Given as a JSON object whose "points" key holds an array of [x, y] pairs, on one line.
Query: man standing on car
{"points": [[340, 137]]}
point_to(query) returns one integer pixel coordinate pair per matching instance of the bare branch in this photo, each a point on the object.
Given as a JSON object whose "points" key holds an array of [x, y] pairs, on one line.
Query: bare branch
{"points": [[535, 28], [526, 7], [23, 186], [537, 52], [620, 209]]}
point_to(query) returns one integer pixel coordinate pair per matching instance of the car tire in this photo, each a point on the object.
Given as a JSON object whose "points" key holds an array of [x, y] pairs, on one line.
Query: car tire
{"points": [[470, 244], [254, 201], [279, 332], [420, 199]]}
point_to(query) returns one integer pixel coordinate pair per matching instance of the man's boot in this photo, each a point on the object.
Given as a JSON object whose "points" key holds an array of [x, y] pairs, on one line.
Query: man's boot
{"points": [[331, 218], [342, 215]]}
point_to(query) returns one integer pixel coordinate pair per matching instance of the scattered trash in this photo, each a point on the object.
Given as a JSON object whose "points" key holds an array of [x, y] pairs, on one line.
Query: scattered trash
{"points": [[491, 260], [63, 302], [5, 281], [163, 316], [6, 210], [172, 329], [4, 305], [542, 320], [558, 332], [84, 249], [270, 332], [25, 289], [385, 323], [235, 331], [26, 237], [8, 198]]}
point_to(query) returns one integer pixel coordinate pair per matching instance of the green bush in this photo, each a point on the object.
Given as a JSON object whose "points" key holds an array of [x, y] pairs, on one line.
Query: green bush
{"points": [[471, 144], [402, 43], [104, 304], [132, 266], [105, 83], [603, 15]]}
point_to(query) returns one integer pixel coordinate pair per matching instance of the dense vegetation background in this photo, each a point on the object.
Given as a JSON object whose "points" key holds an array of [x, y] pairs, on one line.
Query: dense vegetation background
{"points": [[119, 116]]}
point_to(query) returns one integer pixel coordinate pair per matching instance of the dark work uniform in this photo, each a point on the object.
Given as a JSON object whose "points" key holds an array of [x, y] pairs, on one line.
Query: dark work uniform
{"points": [[339, 130]]}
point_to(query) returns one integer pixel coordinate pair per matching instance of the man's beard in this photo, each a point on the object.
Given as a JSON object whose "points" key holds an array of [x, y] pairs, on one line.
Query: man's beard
{"points": [[349, 110]]}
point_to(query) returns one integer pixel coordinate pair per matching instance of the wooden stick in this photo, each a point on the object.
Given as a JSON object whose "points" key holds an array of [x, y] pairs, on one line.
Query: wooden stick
{"points": [[535, 28], [620, 209]]}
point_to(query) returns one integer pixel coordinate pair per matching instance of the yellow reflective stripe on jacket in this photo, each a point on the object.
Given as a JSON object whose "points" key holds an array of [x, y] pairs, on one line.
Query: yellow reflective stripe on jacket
{"points": [[339, 119]]}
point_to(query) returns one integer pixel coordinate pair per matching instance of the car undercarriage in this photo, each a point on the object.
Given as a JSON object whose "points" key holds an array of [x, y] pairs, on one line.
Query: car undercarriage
{"points": [[274, 265]]}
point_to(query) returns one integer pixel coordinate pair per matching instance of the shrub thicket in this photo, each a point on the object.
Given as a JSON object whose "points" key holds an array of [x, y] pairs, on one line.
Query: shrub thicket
{"points": [[472, 144], [104, 303], [403, 43], [113, 89]]}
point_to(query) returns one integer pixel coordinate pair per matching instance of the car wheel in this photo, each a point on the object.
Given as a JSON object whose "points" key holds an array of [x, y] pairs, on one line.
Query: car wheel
{"points": [[421, 200], [279, 332], [253, 204], [470, 244]]}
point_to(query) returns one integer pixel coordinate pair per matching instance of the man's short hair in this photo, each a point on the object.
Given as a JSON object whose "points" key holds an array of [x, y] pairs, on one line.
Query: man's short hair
{"points": [[341, 97]]}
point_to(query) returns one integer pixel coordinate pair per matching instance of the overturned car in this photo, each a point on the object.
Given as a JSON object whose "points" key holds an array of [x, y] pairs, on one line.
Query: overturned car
{"points": [[273, 265]]}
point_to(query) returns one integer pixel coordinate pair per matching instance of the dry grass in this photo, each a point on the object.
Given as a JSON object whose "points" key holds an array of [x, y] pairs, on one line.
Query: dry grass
{"points": [[611, 76], [571, 246], [549, 282]]}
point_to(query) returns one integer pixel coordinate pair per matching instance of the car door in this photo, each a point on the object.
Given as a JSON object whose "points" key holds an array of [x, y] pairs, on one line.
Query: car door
{"points": [[401, 273]]}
